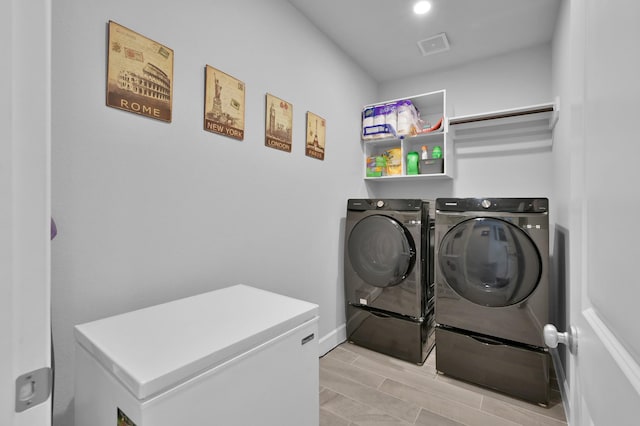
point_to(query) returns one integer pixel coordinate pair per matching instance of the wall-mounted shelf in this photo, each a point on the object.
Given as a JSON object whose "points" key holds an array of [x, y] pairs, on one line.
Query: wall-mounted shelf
{"points": [[409, 177], [516, 122], [432, 107], [523, 129]]}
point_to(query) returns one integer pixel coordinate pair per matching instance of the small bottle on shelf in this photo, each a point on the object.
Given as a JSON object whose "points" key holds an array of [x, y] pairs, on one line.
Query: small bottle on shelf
{"points": [[425, 153], [381, 165], [437, 152]]}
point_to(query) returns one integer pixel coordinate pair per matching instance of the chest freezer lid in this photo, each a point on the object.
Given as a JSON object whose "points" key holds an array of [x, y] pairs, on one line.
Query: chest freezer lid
{"points": [[153, 349]]}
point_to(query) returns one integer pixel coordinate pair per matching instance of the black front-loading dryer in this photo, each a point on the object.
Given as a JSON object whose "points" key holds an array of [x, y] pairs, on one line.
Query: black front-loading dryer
{"points": [[492, 293], [388, 276], [492, 266]]}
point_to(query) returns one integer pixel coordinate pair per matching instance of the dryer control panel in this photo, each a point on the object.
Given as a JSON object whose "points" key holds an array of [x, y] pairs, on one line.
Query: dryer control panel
{"points": [[510, 205]]}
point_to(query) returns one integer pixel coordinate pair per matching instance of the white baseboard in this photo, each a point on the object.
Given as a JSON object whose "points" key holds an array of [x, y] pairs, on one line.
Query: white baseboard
{"points": [[332, 339]]}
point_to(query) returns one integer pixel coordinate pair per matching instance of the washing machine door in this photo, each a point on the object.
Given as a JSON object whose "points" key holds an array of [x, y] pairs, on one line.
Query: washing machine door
{"points": [[490, 262], [381, 251]]}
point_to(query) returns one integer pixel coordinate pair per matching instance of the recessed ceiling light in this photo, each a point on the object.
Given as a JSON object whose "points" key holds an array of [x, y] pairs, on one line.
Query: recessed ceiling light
{"points": [[421, 7]]}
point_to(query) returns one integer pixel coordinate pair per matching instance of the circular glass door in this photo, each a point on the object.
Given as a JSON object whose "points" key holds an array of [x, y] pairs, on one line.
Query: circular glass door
{"points": [[381, 251], [490, 262]]}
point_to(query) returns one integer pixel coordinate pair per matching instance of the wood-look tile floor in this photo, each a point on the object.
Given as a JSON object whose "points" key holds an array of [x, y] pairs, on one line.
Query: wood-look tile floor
{"points": [[359, 387]]}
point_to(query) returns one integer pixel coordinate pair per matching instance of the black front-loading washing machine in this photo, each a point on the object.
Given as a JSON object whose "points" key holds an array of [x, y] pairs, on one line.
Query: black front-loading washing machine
{"points": [[388, 276], [492, 293]]}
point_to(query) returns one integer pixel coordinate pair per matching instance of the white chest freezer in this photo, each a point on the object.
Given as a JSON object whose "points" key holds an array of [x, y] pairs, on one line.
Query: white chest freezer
{"points": [[235, 356]]}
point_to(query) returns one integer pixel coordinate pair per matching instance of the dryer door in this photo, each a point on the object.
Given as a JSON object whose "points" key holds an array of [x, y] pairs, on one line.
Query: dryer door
{"points": [[381, 251], [490, 262]]}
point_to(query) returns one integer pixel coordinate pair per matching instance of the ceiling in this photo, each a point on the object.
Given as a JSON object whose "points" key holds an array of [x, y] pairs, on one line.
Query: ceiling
{"points": [[382, 35]]}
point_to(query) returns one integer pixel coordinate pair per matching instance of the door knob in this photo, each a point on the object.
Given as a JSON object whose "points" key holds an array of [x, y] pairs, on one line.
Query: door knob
{"points": [[552, 337]]}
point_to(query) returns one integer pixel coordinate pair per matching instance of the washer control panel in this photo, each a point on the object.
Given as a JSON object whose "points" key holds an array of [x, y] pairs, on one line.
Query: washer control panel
{"points": [[390, 204]]}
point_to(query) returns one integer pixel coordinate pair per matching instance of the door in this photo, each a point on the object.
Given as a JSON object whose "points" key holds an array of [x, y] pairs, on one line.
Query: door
{"points": [[490, 262], [381, 251], [604, 231], [382, 264], [24, 213]]}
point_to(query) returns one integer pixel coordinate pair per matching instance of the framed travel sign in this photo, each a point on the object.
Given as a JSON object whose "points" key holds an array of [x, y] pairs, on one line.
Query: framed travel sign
{"points": [[139, 74], [224, 104], [279, 124], [316, 132]]}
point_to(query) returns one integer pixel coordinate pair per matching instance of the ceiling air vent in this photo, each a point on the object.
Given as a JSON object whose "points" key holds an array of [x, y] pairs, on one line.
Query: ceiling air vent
{"points": [[436, 44]]}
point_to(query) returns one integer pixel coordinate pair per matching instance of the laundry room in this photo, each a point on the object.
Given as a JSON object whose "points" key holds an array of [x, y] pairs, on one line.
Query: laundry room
{"points": [[149, 211]]}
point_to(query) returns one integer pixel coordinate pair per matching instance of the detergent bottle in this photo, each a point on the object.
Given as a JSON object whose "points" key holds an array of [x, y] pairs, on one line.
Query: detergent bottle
{"points": [[412, 163]]}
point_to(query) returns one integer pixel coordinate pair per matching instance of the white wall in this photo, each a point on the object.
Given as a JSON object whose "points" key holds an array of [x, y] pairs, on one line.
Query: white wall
{"points": [[563, 87], [149, 211], [512, 80]]}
